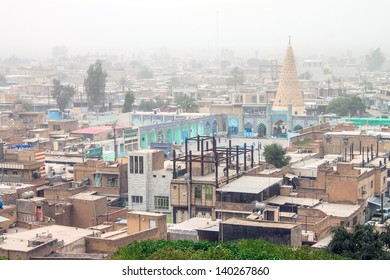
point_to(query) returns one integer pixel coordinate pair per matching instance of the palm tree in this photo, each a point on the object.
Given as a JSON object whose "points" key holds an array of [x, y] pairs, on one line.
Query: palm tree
{"points": [[123, 84], [238, 76]]}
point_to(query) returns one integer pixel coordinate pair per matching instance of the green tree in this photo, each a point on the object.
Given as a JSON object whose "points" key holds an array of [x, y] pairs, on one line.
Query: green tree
{"points": [[237, 76], [305, 76], [344, 106], [3, 80], [187, 103], [129, 100], [275, 154], [26, 105], [149, 105], [62, 94], [375, 60], [145, 73], [225, 63], [95, 85], [123, 84], [364, 243]]}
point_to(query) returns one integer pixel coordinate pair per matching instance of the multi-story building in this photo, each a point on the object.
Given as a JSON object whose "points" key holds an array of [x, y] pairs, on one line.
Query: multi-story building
{"points": [[149, 178]]}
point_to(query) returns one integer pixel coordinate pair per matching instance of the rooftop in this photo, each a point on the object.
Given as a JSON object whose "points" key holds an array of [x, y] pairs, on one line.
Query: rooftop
{"points": [[194, 224], [250, 184], [281, 200], [19, 241], [93, 130], [267, 224], [337, 210]]}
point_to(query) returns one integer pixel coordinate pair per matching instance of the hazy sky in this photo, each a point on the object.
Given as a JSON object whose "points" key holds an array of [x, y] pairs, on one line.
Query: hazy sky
{"points": [[32, 27]]}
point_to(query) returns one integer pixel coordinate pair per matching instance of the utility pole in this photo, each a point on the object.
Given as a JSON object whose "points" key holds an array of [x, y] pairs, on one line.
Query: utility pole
{"points": [[115, 146]]}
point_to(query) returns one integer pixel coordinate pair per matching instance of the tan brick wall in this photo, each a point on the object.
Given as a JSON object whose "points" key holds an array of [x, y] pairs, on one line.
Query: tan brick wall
{"points": [[109, 246]]}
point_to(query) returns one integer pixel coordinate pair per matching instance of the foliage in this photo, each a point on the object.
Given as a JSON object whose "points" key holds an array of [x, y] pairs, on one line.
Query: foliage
{"points": [[244, 249], [305, 76], [26, 105], [344, 106], [364, 243], [187, 103], [275, 154], [237, 76], [145, 73], [129, 100], [302, 143], [123, 83], [60, 52], [3, 80], [375, 60], [95, 85], [152, 104], [62, 94]]}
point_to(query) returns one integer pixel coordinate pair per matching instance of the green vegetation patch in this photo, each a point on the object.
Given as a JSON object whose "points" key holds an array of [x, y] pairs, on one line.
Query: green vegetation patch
{"points": [[303, 143], [244, 249]]}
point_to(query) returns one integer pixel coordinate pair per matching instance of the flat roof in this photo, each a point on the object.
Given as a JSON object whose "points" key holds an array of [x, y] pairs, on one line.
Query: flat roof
{"points": [[145, 213], [250, 184], [260, 223], [97, 129], [92, 130], [19, 241], [281, 200], [195, 224], [337, 210], [87, 196]]}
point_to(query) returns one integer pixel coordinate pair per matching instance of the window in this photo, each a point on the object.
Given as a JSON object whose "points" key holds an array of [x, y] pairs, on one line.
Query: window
{"points": [[136, 164], [154, 175], [112, 182], [131, 164], [198, 191], [14, 172], [209, 192], [254, 98], [372, 184], [137, 199], [163, 176], [98, 180], [161, 202], [141, 165], [56, 127]]}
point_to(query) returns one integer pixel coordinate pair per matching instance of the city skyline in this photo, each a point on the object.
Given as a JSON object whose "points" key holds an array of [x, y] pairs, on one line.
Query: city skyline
{"points": [[193, 28]]}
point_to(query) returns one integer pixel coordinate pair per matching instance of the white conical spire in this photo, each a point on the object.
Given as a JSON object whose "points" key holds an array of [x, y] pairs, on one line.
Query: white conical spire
{"points": [[289, 90]]}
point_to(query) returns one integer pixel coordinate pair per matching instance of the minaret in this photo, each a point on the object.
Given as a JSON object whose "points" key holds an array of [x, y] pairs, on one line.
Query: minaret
{"points": [[289, 90]]}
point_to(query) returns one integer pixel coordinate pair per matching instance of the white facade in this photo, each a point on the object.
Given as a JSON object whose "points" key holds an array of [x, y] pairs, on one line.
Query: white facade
{"points": [[149, 182]]}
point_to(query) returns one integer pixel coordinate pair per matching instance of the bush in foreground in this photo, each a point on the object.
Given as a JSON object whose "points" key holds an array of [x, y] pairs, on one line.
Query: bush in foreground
{"points": [[245, 249]]}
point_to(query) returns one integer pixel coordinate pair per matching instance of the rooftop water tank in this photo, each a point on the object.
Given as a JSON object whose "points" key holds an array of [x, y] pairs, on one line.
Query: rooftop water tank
{"points": [[1, 204]]}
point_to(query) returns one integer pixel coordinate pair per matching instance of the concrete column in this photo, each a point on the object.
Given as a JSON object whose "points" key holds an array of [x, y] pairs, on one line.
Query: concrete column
{"points": [[289, 118], [269, 120]]}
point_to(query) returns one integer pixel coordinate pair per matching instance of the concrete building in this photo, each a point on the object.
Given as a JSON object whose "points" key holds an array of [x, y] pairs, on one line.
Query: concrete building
{"points": [[276, 232], [106, 178], [149, 181], [43, 241]]}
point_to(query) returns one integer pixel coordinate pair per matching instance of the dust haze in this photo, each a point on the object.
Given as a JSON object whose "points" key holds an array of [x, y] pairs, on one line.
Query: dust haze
{"points": [[193, 28]]}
